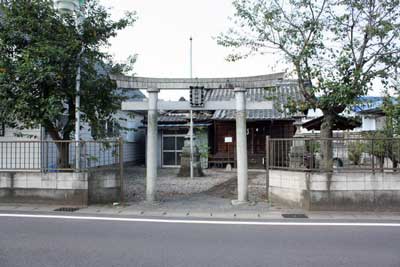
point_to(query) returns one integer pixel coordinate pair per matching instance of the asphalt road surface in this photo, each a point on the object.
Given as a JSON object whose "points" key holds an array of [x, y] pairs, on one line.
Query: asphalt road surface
{"points": [[64, 242]]}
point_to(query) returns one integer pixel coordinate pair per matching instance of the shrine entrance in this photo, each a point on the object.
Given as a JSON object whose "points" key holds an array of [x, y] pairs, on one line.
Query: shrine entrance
{"points": [[172, 145]]}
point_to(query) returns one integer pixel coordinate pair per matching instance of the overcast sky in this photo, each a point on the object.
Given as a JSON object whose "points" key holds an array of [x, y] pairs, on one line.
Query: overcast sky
{"points": [[161, 35]]}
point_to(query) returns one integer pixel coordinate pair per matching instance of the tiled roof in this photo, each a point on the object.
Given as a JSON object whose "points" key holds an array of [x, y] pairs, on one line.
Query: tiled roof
{"points": [[279, 94], [251, 114], [182, 117]]}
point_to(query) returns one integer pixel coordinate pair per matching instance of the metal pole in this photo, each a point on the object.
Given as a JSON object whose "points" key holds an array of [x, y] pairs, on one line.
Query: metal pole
{"points": [[121, 169], [77, 116], [191, 144], [191, 57], [267, 166], [79, 21], [373, 156], [191, 112]]}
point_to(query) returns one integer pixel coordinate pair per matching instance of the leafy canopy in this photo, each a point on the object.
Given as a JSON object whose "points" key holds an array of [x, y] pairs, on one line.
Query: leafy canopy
{"points": [[39, 56], [341, 46]]}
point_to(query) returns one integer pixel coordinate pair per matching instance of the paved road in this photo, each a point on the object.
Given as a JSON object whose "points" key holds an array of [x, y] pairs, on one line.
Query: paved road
{"points": [[63, 242]]}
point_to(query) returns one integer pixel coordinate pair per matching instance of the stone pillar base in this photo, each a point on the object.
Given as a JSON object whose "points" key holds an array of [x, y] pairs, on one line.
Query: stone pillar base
{"points": [[236, 202]]}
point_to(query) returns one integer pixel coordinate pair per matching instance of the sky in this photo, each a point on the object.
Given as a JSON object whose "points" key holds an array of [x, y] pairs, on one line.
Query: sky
{"points": [[160, 38], [161, 35]]}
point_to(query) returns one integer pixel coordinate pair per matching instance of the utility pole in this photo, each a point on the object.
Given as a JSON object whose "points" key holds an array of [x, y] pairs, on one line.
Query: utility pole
{"points": [[71, 7], [78, 99]]}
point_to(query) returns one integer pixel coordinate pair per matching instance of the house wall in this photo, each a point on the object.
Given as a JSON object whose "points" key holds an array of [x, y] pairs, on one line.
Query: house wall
{"points": [[368, 123], [256, 134], [373, 123], [22, 155], [134, 141], [28, 155], [337, 191]]}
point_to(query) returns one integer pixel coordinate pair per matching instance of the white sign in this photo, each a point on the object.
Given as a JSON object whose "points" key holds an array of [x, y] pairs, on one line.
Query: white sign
{"points": [[228, 139]]}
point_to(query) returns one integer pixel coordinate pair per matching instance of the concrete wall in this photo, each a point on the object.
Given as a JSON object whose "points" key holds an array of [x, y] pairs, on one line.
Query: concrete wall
{"points": [[336, 191], [287, 187], [81, 189], [54, 188], [104, 186]]}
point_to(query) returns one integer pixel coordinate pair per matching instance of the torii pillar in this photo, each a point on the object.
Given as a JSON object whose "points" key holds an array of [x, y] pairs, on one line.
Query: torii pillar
{"points": [[241, 147], [151, 148]]}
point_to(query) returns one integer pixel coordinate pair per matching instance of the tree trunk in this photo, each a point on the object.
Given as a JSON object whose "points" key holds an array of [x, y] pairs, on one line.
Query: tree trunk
{"points": [[326, 142], [381, 162], [395, 164], [62, 153]]}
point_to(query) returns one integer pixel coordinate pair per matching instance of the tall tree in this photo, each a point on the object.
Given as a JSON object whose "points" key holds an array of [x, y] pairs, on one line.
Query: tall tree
{"points": [[337, 48], [39, 55]]}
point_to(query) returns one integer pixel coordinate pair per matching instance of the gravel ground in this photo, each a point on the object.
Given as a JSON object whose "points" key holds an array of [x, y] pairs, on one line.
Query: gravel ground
{"points": [[216, 183]]}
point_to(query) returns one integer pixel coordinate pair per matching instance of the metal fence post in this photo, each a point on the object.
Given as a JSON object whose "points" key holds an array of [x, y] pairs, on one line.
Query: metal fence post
{"points": [[121, 169], [373, 156], [267, 166], [83, 164]]}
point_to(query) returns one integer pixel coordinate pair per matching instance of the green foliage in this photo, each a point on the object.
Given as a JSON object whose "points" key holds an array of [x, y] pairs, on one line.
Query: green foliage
{"points": [[382, 145], [355, 150], [335, 48], [204, 150], [39, 54], [339, 46], [313, 146], [391, 109]]}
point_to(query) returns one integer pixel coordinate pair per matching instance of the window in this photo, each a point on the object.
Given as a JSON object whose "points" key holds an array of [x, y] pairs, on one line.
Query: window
{"points": [[172, 149], [107, 128], [112, 129]]}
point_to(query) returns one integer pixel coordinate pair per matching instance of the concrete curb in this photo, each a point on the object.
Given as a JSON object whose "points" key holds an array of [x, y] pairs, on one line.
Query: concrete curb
{"points": [[205, 214]]}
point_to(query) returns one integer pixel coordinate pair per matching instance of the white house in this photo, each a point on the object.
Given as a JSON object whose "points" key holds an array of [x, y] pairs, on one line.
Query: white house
{"points": [[23, 149]]}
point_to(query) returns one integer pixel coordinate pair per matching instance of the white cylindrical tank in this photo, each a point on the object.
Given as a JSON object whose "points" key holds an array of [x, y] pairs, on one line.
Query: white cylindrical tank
{"points": [[67, 6]]}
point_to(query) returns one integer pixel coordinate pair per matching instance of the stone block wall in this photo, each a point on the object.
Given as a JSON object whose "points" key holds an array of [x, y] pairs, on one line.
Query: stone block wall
{"points": [[104, 186], [34, 187], [336, 191], [69, 188]]}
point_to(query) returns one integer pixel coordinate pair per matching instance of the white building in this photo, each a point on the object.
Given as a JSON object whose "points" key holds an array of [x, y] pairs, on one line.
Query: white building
{"points": [[24, 149]]}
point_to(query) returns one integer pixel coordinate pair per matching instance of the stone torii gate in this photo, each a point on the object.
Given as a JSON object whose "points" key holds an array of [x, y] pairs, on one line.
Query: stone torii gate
{"points": [[153, 105]]}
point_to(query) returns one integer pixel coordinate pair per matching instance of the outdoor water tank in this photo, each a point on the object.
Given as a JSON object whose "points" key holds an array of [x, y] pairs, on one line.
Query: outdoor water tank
{"points": [[67, 6]]}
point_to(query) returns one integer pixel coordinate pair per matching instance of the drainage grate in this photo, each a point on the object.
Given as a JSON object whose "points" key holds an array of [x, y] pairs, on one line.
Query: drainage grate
{"points": [[295, 216], [67, 209]]}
